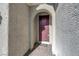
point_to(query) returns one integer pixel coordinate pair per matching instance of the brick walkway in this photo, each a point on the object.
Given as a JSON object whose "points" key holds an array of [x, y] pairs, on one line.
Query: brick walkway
{"points": [[42, 50]]}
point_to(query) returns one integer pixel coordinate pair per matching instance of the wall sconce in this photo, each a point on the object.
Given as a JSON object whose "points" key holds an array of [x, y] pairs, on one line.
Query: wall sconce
{"points": [[0, 18]]}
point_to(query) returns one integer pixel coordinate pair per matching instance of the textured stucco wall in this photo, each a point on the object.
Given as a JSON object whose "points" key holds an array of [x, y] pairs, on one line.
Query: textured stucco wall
{"points": [[67, 29], [18, 29], [4, 29]]}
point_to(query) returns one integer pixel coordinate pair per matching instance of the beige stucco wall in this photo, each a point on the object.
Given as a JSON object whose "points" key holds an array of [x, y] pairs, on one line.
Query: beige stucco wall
{"points": [[18, 29]]}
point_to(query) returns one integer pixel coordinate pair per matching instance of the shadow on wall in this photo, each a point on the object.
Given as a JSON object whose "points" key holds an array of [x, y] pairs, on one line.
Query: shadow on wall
{"points": [[55, 5], [30, 51], [0, 19]]}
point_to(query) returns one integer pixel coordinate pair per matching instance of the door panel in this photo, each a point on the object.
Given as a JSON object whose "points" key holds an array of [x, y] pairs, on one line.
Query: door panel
{"points": [[44, 28]]}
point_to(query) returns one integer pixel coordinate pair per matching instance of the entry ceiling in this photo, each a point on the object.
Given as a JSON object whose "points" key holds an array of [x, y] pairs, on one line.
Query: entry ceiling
{"points": [[33, 4]]}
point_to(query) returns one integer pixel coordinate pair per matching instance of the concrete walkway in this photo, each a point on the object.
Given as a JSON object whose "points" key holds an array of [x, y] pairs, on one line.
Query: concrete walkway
{"points": [[42, 50]]}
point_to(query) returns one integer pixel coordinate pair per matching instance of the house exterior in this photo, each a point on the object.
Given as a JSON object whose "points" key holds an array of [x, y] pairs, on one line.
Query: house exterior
{"points": [[23, 24]]}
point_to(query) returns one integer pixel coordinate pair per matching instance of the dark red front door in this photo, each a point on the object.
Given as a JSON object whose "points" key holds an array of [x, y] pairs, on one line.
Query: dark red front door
{"points": [[44, 28]]}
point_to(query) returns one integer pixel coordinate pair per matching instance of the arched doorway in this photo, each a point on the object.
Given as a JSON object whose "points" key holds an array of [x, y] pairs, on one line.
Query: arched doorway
{"points": [[35, 12]]}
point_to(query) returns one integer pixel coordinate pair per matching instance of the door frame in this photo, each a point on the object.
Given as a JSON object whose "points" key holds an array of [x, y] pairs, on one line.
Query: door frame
{"points": [[43, 42]]}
